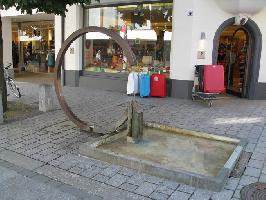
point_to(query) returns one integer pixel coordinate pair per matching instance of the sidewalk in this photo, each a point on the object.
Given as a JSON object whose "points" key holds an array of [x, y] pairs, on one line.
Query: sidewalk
{"points": [[46, 147]]}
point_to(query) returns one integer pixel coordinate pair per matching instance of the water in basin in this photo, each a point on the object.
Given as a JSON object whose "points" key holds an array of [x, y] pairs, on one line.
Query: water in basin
{"points": [[178, 151]]}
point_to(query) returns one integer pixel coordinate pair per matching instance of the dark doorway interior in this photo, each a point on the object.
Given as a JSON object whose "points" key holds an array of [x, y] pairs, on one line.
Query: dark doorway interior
{"points": [[234, 53], [253, 89]]}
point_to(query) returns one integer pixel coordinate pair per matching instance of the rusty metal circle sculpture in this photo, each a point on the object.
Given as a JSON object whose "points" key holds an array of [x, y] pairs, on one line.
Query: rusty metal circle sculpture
{"points": [[254, 191], [60, 58]]}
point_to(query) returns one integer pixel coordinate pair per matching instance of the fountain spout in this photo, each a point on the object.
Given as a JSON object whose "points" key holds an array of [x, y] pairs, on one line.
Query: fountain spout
{"points": [[135, 123]]}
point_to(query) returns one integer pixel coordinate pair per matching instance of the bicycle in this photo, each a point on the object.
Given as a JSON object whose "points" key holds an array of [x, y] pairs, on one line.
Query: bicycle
{"points": [[10, 82]]}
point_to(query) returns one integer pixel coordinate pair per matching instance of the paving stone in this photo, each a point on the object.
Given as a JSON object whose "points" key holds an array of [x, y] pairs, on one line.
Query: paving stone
{"points": [[104, 165], [262, 178], [255, 163], [136, 179], [20, 160], [23, 188], [246, 180], [186, 189], [67, 165], [146, 189], [55, 162], [250, 147], [78, 193], [254, 172], [15, 168], [117, 180], [6, 174], [89, 173], [48, 158], [237, 194], [76, 170], [232, 183], [224, 195], [95, 187], [28, 173], [127, 172], [159, 196], [111, 171], [201, 195], [258, 156], [153, 179], [170, 184], [54, 183], [129, 187], [164, 189], [7, 164], [177, 195], [101, 178], [264, 169], [40, 178], [239, 187]]}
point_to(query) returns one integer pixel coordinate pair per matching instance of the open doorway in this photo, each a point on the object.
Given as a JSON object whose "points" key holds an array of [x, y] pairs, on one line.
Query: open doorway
{"points": [[251, 88], [234, 52], [33, 43]]}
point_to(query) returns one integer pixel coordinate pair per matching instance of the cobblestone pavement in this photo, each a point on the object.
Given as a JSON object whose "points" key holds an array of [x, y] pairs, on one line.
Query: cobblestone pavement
{"points": [[42, 152]]}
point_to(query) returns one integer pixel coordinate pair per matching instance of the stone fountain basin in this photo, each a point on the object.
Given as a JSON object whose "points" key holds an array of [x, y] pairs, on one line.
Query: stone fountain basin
{"points": [[194, 158]]}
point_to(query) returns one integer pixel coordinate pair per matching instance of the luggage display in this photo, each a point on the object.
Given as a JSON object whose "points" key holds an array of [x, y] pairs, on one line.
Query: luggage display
{"points": [[133, 83], [208, 82], [158, 85], [213, 79], [144, 81]]}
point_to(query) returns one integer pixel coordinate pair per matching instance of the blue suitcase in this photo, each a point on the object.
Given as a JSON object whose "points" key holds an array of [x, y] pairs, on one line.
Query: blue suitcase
{"points": [[144, 82]]}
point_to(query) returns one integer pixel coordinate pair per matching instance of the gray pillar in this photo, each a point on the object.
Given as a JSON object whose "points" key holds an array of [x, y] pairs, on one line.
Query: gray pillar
{"points": [[46, 98], [1, 110], [20, 49]]}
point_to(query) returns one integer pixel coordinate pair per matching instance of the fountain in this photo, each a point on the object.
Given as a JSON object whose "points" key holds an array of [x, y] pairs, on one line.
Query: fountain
{"points": [[194, 158]]}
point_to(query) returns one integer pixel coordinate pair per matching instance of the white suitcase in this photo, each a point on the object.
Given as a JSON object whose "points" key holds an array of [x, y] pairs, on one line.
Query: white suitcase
{"points": [[133, 83]]}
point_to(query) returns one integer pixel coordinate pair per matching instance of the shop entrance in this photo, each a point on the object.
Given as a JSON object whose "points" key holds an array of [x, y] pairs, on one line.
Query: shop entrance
{"points": [[234, 53], [242, 44], [33, 44]]}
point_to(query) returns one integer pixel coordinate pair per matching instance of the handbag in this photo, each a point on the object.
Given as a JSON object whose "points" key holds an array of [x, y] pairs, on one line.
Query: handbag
{"points": [[147, 60]]}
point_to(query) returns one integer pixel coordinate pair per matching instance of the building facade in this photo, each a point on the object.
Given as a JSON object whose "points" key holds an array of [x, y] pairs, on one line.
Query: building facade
{"points": [[168, 37]]}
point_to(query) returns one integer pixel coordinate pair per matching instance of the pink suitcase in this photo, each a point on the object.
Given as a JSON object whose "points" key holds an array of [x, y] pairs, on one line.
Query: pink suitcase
{"points": [[214, 79]]}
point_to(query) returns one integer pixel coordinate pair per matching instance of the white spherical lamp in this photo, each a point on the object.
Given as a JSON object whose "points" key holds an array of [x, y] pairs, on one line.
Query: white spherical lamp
{"points": [[241, 6]]}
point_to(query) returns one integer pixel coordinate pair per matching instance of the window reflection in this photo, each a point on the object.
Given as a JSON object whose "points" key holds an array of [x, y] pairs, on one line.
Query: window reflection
{"points": [[147, 28]]}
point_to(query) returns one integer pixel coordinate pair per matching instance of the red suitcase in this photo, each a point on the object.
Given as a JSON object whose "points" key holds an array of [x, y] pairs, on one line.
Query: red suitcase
{"points": [[213, 79], [158, 85]]}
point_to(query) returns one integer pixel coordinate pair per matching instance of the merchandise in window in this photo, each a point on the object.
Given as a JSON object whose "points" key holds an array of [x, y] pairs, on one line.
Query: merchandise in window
{"points": [[146, 27]]}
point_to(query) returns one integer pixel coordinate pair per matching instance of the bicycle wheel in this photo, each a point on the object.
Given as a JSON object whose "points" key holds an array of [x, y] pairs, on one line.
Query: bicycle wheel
{"points": [[13, 87]]}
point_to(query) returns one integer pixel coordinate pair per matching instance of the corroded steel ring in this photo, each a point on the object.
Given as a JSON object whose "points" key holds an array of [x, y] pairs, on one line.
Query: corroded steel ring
{"points": [[60, 58]]}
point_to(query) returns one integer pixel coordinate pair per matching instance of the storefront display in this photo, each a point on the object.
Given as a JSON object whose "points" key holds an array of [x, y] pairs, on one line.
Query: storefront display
{"points": [[35, 41], [146, 27]]}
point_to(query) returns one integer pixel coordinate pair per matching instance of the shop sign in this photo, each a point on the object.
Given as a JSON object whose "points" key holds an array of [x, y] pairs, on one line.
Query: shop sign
{"points": [[201, 54]]}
